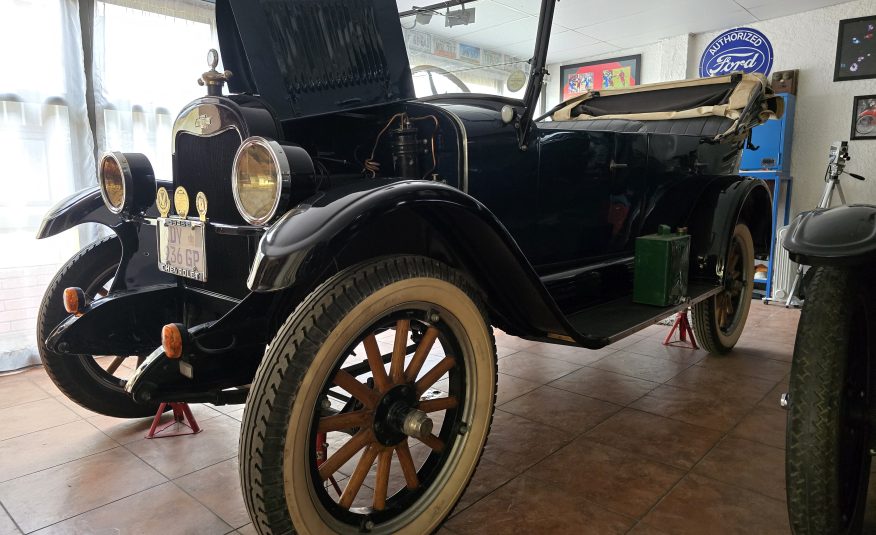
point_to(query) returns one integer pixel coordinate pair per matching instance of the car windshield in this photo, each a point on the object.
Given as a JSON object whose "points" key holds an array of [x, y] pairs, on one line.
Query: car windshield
{"points": [[480, 46]]}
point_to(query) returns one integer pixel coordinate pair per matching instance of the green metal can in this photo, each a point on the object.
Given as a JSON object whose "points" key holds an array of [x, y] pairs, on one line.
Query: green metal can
{"points": [[661, 267]]}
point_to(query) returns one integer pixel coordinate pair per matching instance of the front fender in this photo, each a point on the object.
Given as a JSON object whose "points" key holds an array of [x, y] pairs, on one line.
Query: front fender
{"points": [[844, 235], [390, 217], [84, 206]]}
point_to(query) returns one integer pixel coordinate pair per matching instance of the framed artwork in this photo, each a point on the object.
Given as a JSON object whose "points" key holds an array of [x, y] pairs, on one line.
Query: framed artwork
{"points": [[612, 73], [856, 49], [864, 117]]}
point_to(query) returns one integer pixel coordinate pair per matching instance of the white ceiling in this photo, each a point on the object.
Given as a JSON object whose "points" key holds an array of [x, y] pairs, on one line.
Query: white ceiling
{"points": [[584, 28]]}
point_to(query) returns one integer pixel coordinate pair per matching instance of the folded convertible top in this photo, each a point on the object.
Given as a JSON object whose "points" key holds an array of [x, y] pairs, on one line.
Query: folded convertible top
{"points": [[745, 99]]}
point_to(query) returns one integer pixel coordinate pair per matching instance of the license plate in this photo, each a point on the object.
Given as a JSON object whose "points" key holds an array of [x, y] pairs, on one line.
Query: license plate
{"points": [[181, 248]]}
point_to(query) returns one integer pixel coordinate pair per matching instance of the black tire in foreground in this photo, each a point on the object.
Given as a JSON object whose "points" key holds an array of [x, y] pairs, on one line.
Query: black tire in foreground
{"points": [[328, 403], [81, 377], [827, 446], [718, 321]]}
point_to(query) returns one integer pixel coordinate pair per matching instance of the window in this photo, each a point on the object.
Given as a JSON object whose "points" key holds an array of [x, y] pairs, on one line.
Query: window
{"points": [[146, 59]]}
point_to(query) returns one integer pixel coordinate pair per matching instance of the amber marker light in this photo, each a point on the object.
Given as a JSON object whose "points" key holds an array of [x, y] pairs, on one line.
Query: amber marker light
{"points": [[171, 340], [74, 300]]}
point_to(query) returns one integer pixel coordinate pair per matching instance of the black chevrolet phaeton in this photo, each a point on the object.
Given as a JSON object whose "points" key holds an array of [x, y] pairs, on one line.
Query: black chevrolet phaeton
{"points": [[334, 251]]}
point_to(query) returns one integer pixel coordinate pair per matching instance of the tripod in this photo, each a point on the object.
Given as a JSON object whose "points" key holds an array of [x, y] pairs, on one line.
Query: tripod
{"points": [[837, 159]]}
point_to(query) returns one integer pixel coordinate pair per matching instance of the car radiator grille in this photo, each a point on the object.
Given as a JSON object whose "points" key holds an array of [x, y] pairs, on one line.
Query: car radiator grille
{"points": [[203, 163]]}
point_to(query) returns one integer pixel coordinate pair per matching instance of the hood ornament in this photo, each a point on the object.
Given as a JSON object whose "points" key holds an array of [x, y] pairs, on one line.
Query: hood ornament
{"points": [[213, 79]]}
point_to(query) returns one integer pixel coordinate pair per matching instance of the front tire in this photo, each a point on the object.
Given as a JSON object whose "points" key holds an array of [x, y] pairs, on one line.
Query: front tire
{"points": [[827, 443], [718, 321], [92, 383], [300, 437]]}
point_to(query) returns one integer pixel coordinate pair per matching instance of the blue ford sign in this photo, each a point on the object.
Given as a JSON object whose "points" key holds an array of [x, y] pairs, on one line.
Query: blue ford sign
{"points": [[739, 49]]}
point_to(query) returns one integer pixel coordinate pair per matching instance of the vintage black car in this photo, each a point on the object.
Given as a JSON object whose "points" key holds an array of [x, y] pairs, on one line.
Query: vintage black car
{"points": [[339, 250]]}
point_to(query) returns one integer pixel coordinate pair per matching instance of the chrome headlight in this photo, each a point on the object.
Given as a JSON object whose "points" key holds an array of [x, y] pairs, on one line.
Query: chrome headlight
{"points": [[265, 176], [127, 182]]}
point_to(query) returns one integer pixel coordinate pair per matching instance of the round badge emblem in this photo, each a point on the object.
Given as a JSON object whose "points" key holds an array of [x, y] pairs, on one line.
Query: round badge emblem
{"points": [[201, 205], [181, 202], [162, 202], [516, 81], [738, 50]]}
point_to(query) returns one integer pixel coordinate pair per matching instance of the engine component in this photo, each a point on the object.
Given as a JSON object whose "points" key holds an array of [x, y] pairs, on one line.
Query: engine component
{"points": [[405, 155]]}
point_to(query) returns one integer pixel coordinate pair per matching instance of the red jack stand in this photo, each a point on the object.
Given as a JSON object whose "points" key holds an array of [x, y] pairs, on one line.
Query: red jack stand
{"points": [[683, 326], [181, 413], [322, 455]]}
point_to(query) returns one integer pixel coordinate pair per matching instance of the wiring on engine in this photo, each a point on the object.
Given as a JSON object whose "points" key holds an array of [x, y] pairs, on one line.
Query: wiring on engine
{"points": [[432, 141], [371, 165]]}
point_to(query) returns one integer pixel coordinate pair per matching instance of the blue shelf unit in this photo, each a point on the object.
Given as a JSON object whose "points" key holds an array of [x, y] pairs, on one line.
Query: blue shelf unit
{"points": [[772, 162]]}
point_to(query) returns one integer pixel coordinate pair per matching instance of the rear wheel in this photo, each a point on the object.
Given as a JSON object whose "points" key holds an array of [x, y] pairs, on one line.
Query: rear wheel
{"points": [[94, 382], [340, 435], [828, 451], [719, 320]]}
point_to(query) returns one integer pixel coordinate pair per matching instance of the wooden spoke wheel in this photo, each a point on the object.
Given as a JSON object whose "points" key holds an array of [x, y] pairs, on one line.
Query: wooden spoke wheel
{"points": [[377, 420], [96, 382], [719, 320]]}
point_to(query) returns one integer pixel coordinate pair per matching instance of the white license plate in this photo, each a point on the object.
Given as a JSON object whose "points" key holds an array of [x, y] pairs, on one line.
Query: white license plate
{"points": [[181, 248]]}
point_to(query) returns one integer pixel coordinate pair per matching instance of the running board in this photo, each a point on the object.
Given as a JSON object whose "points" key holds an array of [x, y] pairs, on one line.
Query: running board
{"points": [[617, 319]]}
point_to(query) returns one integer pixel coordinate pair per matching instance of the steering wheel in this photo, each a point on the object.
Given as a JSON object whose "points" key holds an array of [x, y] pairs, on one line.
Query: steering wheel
{"points": [[433, 72]]}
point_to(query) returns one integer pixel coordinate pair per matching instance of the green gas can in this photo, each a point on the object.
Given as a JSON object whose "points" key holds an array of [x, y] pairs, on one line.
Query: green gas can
{"points": [[661, 267]]}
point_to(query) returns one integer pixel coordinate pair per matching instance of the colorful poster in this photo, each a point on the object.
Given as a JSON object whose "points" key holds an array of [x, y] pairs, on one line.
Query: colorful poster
{"points": [[471, 54], [444, 48], [597, 75], [856, 49]]}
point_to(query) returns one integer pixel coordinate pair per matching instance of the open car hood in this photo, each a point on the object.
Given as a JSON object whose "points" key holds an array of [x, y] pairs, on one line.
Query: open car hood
{"points": [[311, 57]]}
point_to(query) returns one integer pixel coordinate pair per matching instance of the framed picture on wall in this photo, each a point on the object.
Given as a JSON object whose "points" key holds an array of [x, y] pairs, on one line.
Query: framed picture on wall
{"points": [[856, 49], [612, 73], [864, 117]]}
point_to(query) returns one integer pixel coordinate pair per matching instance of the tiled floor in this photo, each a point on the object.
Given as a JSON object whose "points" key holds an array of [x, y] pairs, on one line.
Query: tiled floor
{"points": [[636, 438]]}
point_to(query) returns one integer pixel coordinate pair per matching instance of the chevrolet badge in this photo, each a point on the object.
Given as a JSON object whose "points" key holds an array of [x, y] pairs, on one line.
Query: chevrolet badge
{"points": [[201, 205], [181, 201], [162, 201]]}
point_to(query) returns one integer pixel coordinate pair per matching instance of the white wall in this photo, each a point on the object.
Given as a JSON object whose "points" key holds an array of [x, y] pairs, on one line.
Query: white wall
{"points": [[807, 41]]}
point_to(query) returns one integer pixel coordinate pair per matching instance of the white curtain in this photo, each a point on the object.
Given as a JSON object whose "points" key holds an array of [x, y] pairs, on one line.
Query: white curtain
{"points": [[46, 152], [147, 56], [147, 59]]}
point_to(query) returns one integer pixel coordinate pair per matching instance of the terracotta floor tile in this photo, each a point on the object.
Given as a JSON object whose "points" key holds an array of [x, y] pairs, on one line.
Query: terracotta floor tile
{"points": [[170, 511], [247, 530], [218, 488], [748, 365], [127, 430], [518, 443], [722, 383], [609, 477], [510, 387], [177, 456], [488, 477], [772, 398], [36, 451], [527, 505], [644, 529], [536, 368], [765, 425], [512, 342], [39, 377], [15, 390], [33, 416], [7, 526], [605, 385], [668, 441], [564, 410], [641, 366], [653, 347], [766, 347], [700, 505], [570, 354], [43, 498], [78, 409], [694, 407], [750, 465]]}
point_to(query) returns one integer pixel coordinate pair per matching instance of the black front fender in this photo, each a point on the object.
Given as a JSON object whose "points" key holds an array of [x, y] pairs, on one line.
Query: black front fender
{"points": [[377, 218], [84, 206], [845, 235]]}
